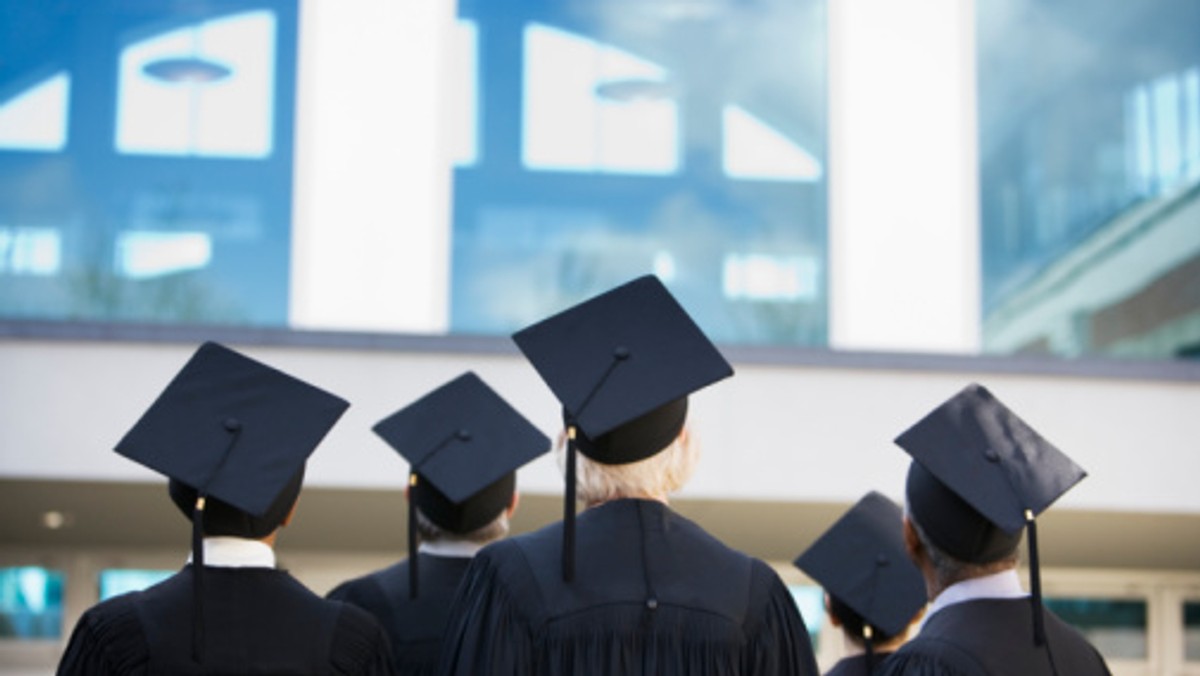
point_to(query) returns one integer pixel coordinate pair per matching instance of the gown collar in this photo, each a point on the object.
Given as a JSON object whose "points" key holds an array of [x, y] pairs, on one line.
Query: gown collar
{"points": [[1003, 585], [450, 548], [231, 552]]}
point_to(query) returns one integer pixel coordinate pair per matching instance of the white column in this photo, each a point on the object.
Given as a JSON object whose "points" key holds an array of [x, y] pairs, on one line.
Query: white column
{"points": [[371, 219], [904, 216]]}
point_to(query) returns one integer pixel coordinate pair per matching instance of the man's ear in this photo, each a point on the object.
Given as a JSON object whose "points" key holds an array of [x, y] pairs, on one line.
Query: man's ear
{"points": [[512, 505], [912, 543]]}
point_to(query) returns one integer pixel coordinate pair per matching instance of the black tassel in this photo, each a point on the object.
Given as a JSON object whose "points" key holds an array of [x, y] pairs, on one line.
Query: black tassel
{"points": [[1035, 582], [868, 632], [412, 537], [568, 554], [197, 583]]}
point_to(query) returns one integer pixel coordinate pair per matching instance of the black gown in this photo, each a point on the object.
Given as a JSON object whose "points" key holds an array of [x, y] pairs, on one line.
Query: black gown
{"points": [[855, 665], [256, 621], [652, 594], [994, 636], [414, 626]]}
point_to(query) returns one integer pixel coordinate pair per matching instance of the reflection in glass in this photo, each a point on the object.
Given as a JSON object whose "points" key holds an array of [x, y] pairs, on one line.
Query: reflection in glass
{"points": [[594, 107], [117, 581], [619, 139], [171, 202], [31, 603], [1116, 627], [201, 90], [36, 118], [1191, 631], [752, 149], [1089, 130], [30, 251]]}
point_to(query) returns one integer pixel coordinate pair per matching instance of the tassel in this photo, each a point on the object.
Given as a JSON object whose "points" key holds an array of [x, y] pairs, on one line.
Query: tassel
{"points": [[868, 644], [197, 583], [1035, 582], [568, 554], [412, 537]]}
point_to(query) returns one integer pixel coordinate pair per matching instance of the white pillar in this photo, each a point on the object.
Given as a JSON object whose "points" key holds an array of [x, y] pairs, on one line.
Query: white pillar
{"points": [[904, 214], [371, 212]]}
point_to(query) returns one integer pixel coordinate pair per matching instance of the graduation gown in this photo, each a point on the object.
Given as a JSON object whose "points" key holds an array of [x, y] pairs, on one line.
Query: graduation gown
{"points": [[414, 626], [855, 665], [652, 594], [994, 636], [256, 621]]}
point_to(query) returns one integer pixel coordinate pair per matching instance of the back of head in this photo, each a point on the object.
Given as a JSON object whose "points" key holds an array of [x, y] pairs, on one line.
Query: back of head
{"points": [[853, 624], [476, 519], [221, 518], [658, 475], [953, 525]]}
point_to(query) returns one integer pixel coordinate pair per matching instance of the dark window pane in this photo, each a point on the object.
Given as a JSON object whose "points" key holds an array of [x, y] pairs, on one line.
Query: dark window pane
{"points": [[1116, 627], [1191, 631]]}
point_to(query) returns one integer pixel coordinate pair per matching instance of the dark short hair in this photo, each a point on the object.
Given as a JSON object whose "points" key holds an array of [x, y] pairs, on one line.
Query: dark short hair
{"points": [[222, 518]]}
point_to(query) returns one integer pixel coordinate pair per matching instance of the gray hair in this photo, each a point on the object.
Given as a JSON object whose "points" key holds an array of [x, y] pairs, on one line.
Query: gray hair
{"points": [[430, 532], [948, 570], [661, 474]]}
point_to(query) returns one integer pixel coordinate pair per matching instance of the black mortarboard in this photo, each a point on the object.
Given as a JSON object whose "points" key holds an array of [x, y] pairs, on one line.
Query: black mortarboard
{"points": [[464, 444], [861, 562], [234, 429], [979, 475], [622, 364]]}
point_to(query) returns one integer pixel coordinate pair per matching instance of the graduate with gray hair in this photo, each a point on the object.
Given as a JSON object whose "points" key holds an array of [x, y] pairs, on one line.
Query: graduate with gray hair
{"points": [[979, 477], [464, 444], [629, 587]]}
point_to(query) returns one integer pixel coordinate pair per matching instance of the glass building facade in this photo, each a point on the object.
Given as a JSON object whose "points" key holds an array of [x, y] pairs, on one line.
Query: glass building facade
{"points": [[149, 156]]}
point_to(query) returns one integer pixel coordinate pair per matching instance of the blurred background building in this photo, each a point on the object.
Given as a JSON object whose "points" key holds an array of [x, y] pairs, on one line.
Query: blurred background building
{"points": [[867, 203]]}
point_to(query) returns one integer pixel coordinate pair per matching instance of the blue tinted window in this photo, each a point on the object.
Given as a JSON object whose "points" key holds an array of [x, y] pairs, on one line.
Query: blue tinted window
{"points": [[117, 581], [1089, 131], [1116, 627], [687, 143], [31, 603], [1191, 631], [146, 161]]}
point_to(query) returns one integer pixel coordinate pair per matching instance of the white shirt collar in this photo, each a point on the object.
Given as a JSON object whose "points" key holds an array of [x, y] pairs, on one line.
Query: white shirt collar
{"points": [[1003, 585], [454, 548], [231, 552]]}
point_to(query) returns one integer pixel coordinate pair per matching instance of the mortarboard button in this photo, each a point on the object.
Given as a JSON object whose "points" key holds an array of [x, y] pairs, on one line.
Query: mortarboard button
{"points": [[233, 424]]}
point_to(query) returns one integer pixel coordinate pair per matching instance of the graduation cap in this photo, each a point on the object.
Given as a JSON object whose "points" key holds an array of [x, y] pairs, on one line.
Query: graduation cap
{"points": [[979, 476], [464, 444], [233, 429], [621, 364], [862, 564]]}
